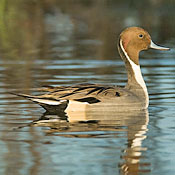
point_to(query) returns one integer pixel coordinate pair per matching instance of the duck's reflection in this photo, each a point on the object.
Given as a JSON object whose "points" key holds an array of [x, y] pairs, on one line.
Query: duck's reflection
{"points": [[77, 123]]}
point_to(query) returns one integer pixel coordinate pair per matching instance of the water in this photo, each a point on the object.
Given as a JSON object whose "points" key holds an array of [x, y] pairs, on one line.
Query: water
{"points": [[73, 51]]}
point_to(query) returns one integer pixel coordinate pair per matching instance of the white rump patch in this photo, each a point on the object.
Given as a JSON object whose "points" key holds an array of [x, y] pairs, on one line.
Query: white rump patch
{"points": [[76, 106], [137, 73], [47, 101]]}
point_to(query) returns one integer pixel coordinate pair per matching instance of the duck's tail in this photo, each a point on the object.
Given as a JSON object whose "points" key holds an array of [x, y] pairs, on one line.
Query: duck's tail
{"points": [[40, 99]]}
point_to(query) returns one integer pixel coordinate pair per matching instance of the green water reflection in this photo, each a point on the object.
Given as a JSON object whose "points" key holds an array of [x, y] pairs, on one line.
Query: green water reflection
{"points": [[44, 28]]}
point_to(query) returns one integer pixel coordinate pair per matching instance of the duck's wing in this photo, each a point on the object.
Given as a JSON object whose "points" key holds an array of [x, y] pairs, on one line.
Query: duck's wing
{"points": [[82, 91], [89, 93]]}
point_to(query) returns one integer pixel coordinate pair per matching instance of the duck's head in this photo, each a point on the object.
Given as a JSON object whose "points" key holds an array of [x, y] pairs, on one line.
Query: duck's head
{"points": [[135, 39]]}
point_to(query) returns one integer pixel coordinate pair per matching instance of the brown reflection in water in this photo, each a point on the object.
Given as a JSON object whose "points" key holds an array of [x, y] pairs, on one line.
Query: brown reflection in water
{"points": [[20, 151], [35, 154], [22, 147], [79, 122], [14, 157]]}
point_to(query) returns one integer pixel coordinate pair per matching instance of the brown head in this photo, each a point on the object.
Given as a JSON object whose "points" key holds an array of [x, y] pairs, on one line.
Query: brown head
{"points": [[133, 40]]}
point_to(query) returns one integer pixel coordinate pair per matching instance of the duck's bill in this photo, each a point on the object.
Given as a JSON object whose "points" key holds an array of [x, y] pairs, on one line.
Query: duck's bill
{"points": [[154, 46]]}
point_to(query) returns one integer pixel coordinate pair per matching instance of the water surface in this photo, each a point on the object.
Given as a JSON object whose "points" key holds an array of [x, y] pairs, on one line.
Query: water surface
{"points": [[63, 46]]}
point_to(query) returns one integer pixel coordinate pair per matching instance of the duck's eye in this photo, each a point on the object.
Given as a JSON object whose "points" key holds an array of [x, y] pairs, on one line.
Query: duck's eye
{"points": [[140, 36]]}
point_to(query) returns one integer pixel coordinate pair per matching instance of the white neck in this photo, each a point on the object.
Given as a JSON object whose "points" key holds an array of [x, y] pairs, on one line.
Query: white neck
{"points": [[137, 73]]}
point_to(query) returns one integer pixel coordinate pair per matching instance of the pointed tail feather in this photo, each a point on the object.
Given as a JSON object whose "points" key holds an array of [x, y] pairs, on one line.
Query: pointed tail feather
{"points": [[24, 95], [41, 100]]}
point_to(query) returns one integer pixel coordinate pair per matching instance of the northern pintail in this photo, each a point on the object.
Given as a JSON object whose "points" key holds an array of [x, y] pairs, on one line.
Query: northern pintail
{"points": [[131, 97]]}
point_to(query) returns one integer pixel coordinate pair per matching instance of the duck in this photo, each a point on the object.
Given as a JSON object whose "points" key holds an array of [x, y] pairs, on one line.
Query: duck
{"points": [[133, 96]]}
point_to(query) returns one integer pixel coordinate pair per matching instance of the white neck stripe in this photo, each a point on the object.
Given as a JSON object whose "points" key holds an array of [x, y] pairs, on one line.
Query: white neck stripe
{"points": [[137, 73]]}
